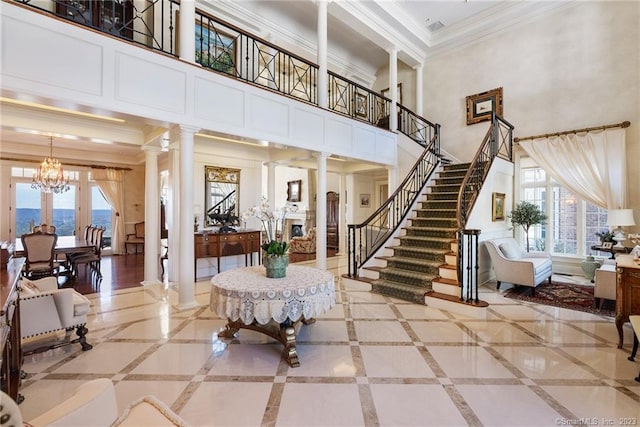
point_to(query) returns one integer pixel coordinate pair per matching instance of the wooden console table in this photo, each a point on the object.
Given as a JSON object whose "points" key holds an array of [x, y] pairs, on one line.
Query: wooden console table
{"points": [[627, 291], [10, 344], [218, 245], [612, 250]]}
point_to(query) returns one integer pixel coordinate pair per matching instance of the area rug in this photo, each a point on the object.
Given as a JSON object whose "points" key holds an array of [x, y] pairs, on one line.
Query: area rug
{"points": [[565, 295]]}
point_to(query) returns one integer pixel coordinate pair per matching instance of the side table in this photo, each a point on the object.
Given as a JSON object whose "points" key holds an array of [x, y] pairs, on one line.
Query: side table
{"points": [[613, 250], [251, 300]]}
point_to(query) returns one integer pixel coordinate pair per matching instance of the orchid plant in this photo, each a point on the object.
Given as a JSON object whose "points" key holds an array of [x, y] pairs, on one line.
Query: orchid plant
{"points": [[272, 224]]}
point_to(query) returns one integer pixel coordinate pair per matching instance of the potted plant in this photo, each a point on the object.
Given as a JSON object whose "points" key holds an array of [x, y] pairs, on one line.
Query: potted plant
{"points": [[276, 258], [605, 236], [525, 215]]}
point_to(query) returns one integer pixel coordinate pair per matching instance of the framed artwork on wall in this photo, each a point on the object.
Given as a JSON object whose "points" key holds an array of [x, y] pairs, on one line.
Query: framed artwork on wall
{"points": [[365, 200], [481, 105], [497, 207], [294, 189]]}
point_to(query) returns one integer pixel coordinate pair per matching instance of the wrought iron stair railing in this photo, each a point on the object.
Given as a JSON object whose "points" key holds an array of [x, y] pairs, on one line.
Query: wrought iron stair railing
{"points": [[364, 239], [497, 142]]}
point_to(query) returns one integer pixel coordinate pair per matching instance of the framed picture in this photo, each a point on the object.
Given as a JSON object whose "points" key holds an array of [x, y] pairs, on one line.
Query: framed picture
{"points": [[481, 105], [215, 48], [365, 200], [294, 189], [385, 93], [606, 245], [361, 105], [497, 207]]}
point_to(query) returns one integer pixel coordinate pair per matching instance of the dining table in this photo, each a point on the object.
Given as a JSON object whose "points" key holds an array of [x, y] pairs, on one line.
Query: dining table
{"points": [[64, 245]]}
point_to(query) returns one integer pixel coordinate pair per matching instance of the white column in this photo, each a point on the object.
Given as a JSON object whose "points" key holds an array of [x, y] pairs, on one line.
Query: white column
{"points": [[419, 95], [342, 216], [187, 28], [323, 77], [151, 215], [393, 88], [173, 205], [321, 212], [271, 183], [186, 287]]}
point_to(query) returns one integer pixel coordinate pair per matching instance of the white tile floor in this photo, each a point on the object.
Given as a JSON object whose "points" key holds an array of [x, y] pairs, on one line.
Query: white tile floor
{"points": [[372, 360]]}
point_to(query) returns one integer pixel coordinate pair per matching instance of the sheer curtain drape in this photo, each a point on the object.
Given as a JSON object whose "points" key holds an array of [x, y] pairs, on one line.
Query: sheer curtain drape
{"points": [[591, 165], [111, 183]]}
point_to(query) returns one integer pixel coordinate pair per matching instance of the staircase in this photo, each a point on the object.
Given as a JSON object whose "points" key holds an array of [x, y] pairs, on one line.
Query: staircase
{"points": [[424, 260]]}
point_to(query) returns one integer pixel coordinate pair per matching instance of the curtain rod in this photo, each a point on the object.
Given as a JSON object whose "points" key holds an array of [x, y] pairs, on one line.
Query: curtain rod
{"points": [[624, 124], [118, 168]]}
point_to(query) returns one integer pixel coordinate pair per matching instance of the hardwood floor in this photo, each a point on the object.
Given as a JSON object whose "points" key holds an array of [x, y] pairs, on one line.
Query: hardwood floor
{"points": [[127, 271]]}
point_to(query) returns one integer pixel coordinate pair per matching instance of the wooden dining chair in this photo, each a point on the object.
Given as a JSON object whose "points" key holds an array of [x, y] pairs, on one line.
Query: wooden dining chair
{"points": [[39, 251], [91, 259]]}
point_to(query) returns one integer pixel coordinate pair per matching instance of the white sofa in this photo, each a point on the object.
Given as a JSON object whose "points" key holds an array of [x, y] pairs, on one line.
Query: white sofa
{"points": [[45, 309], [513, 265]]}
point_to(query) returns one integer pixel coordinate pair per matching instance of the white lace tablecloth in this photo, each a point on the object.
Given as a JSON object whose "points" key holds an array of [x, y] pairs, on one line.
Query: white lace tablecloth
{"points": [[248, 294]]}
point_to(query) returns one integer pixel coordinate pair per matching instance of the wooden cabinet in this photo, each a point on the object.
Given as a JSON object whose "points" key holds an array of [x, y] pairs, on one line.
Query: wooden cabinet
{"points": [[218, 245], [627, 291], [10, 346], [333, 220]]}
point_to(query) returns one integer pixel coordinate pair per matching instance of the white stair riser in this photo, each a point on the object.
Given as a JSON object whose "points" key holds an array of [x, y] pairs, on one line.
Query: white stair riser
{"points": [[445, 288], [448, 273]]}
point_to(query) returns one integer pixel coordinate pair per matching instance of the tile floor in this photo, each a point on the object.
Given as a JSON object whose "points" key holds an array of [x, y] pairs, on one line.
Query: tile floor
{"points": [[371, 361]]}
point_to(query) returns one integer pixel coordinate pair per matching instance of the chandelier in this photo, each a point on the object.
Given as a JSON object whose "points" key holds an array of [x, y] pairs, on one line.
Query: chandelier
{"points": [[50, 177]]}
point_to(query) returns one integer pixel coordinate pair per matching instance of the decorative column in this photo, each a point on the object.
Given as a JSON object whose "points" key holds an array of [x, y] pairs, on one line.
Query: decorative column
{"points": [[186, 286], [419, 96], [271, 182], [321, 212], [392, 177], [187, 28], [323, 76], [342, 215], [151, 215], [173, 205], [393, 89]]}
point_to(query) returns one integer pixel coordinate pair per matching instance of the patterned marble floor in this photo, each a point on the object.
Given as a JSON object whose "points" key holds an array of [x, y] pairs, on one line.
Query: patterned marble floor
{"points": [[371, 361]]}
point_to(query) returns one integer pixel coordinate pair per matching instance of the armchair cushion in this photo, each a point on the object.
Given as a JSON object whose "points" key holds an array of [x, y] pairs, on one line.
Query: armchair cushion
{"points": [[305, 244]]}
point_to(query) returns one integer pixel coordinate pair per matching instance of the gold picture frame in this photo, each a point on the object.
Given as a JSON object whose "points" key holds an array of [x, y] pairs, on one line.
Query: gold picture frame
{"points": [[481, 106], [294, 191], [606, 245], [497, 207]]}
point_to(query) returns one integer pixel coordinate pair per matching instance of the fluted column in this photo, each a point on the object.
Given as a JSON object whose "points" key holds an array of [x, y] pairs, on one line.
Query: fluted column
{"points": [[342, 215], [151, 215], [323, 76], [173, 205], [186, 287], [393, 88], [187, 28], [419, 78], [321, 212]]}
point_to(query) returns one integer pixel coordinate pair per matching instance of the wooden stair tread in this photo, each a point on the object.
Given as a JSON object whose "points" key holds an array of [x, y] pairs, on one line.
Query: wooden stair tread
{"points": [[449, 267], [456, 299], [419, 261], [446, 281]]}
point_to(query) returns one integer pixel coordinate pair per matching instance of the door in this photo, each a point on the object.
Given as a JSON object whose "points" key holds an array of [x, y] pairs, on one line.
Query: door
{"points": [[333, 215], [32, 207]]}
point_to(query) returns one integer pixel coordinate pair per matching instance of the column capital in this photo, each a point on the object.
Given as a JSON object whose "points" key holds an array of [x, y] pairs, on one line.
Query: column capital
{"points": [[189, 128], [151, 149], [321, 154]]}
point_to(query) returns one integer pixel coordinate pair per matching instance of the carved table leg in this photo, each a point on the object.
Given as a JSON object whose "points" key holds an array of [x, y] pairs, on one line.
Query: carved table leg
{"points": [[619, 323], [308, 321], [288, 339], [634, 351], [231, 329]]}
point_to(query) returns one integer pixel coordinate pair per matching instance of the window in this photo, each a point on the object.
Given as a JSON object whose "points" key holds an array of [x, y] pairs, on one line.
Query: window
{"points": [[101, 214], [572, 223]]}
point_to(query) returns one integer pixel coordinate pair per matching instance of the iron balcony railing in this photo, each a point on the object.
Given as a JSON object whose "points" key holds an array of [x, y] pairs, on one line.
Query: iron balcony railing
{"points": [[497, 142], [223, 48], [363, 240]]}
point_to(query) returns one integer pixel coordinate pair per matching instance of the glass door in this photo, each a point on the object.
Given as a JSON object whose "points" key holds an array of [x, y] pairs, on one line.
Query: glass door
{"points": [[28, 208]]}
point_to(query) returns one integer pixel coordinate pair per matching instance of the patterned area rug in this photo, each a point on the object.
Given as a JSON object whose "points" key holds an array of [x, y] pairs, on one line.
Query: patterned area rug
{"points": [[565, 295]]}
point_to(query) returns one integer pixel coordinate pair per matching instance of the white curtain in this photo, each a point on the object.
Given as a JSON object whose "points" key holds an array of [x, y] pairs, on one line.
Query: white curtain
{"points": [[111, 183], [592, 165]]}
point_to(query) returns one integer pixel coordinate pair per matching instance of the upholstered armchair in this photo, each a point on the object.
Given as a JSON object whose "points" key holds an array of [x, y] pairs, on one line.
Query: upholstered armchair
{"points": [[304, 244], [45, 309], [135, 239], [513, 265]]}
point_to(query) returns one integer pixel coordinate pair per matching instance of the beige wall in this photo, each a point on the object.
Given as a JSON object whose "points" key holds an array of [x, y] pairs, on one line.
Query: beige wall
{"points": [[575, 68]]}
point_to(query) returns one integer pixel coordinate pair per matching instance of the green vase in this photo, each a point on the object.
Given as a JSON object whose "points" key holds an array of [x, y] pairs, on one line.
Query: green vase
{"points": [[589, 266], [276, 265]]}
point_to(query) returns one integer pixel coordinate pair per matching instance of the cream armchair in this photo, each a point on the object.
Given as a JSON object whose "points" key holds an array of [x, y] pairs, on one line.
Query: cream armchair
{"points": [[513, 265], [45, 309]]}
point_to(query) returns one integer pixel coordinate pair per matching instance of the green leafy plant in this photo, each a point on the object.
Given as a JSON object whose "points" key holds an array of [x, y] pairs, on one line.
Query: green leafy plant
{"points": [[525, 215], [273, 225], [605, 236]]}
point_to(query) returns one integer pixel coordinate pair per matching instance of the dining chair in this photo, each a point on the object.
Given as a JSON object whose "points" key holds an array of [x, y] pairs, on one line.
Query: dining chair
{"points": [[40, 255], [92, 259]]}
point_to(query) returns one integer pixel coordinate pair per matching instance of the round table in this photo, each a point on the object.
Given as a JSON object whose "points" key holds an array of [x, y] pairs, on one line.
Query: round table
{"points": [[251, 300]]}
